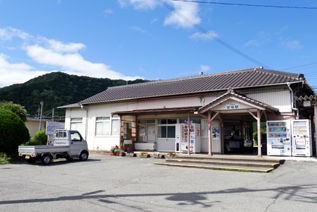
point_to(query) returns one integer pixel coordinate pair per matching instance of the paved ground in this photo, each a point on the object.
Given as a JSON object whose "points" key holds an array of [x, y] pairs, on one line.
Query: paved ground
{"points": [[106, 183]]}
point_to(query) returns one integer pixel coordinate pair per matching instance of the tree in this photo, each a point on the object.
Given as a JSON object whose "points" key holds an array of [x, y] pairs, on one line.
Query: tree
{"points": [[15, 108], [12, 132]]}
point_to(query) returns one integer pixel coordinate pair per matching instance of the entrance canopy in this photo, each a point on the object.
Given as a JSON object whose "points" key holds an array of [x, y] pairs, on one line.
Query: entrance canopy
{"points": [[232, 102]]}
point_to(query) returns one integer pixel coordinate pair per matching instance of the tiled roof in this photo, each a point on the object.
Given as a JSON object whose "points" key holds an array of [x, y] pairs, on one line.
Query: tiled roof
{"points": [[253, 77], [232, 93]]}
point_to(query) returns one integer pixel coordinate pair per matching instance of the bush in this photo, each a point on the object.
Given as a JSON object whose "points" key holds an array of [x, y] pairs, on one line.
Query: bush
{"points": [[15, 108], [12, 132], [4, 158], [40, 138]]}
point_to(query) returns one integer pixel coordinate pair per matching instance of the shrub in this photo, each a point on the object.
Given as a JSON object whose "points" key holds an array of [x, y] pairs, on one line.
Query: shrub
{"points": [[15, 108], [4, 158], [12, 132], [40, 138]]}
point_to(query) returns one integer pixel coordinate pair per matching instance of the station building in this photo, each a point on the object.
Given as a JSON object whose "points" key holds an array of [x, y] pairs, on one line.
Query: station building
{"points": [[219, 113]]}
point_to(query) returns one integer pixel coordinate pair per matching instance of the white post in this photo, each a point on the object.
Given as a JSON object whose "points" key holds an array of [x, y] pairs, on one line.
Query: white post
{"points": [[209, 133], [188, 134], [315, 124], [259, 133]]}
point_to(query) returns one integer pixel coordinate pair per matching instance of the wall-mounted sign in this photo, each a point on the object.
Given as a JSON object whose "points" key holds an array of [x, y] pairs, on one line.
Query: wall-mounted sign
{"points": [[232, 106], [306, 103]]}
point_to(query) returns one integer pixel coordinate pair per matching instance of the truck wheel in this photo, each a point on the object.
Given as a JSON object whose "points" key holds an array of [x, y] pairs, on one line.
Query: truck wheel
{"points": [[83, 156], [46, 159]]}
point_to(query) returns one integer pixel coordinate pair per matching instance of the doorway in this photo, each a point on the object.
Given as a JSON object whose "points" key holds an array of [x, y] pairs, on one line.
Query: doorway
{"points": [[238, 135]]}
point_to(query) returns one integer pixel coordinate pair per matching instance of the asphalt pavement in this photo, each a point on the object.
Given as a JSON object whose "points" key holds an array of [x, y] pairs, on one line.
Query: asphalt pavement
{"points": [[109, 183]]}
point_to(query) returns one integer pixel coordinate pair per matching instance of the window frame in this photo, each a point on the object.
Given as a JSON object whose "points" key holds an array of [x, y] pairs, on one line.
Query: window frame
{"points": [[105, 122], [166, 124]]}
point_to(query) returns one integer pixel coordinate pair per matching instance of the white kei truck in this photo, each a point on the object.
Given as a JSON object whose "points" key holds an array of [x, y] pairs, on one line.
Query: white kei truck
{"points": [[67, 144]]}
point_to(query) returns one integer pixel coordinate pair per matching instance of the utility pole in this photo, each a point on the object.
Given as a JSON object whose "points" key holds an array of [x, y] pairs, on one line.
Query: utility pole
{"points": [[53, 111], [41, 113]]}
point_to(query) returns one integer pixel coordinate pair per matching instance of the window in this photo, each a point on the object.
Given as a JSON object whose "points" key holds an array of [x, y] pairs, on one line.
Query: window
{"points": [[204, 128], [74, 136], [146, 131], [167, 128], [102, 126], [115, 127], [61, 134], [76, 124]]}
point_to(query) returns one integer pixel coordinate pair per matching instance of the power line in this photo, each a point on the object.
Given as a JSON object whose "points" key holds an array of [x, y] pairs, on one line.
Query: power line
{"points": [[300, 66], [222, 42], [248, 5]]}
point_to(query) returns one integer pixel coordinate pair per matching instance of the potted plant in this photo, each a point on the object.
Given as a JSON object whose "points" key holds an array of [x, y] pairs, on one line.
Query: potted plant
{"points": [[114, 150]]}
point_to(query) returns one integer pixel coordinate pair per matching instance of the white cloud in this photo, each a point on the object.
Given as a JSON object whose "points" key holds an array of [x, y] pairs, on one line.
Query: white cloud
{"points": [[72, 63], [65, 47], [210, 35], [204, 68], [62, 56], [292, 44], [183, 14], [9, 33], [12, 73], [141, 4]]}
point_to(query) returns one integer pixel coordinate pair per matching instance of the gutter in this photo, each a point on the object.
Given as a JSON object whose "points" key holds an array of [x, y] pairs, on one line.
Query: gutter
{"points": [[292, 97]]}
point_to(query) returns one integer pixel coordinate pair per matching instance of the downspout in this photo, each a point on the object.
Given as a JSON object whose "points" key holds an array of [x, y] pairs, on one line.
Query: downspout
{"points": [[292, 100], [86, 119]]}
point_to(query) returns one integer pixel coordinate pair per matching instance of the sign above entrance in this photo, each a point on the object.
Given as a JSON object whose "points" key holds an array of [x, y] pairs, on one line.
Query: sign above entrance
{"points": [[232, 106]]}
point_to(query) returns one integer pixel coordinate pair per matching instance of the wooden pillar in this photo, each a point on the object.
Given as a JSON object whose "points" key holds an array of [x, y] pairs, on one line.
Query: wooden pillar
{"points": [[222, 140], [209, 133], [210, 119], [188, 134], [258, 120], [259, 133]]}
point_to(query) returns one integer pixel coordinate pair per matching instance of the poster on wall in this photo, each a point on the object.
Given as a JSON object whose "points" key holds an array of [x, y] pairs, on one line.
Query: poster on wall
{"points": [[215, 132]]}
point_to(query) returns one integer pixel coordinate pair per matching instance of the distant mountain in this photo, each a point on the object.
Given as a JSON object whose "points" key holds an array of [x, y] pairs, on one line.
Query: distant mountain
{"points": [[56, 89]]}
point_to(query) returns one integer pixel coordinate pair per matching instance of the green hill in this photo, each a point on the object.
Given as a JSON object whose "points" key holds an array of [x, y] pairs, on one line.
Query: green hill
{"points": [[56, 89]]}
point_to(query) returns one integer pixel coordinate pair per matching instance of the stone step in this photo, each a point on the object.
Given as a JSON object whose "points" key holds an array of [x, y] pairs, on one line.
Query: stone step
{"points": [[225, 162], [229, 158], [218, 167]]}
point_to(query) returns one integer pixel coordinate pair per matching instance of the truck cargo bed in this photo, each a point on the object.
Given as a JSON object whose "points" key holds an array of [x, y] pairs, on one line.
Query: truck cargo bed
{"points": [[38, 149]]}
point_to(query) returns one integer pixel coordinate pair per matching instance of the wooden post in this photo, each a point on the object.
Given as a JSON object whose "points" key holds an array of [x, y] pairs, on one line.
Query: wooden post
{"points": [[259, 133], [209, 133], [210, 119], [258, 119], [188, 134]]}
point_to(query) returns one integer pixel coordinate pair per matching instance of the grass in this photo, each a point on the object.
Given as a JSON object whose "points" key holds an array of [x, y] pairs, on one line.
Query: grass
{"points": [[4, 159]]}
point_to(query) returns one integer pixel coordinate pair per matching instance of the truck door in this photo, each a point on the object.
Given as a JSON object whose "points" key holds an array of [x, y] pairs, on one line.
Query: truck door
{"points": [[77, 144]]}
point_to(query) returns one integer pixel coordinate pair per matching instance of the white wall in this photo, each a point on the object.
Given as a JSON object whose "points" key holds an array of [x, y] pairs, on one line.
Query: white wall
{"points": [[277, 97]]}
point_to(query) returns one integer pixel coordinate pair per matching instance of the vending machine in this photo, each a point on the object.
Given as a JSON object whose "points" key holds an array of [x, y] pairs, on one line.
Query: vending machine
{"points": [[193, 131], [279, 140], [301, 138]]}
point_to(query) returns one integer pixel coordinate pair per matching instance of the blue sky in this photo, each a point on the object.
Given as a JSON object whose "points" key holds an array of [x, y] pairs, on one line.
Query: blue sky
{"points": [[153, 39]]}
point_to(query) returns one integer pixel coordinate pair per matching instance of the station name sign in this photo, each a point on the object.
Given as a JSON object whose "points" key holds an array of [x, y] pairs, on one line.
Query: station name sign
{"points": [[232, 106]]}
